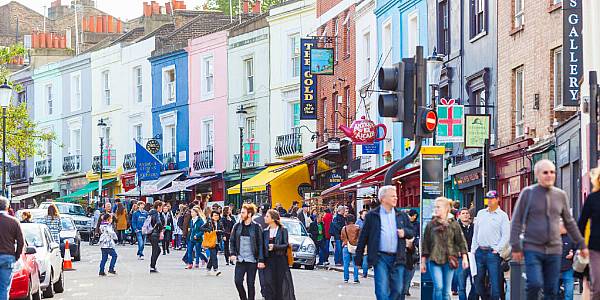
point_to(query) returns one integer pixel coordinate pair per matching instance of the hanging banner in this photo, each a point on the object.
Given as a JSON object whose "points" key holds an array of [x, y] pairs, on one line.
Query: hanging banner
{"points": [[477, 130], [147, 165], [572, 54], [308, 82], [450, 122]]}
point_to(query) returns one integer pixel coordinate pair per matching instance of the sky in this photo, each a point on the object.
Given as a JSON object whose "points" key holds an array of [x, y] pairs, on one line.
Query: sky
{"points": [[125, 9]]}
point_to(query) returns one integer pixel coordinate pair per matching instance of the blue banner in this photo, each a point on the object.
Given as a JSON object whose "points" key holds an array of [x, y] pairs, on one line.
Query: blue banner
{"points": [[147, 165], [370, 148], [308, 82]]}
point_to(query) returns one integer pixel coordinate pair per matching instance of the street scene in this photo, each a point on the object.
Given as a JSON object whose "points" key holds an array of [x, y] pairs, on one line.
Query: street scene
{"points": [[286, 149]]}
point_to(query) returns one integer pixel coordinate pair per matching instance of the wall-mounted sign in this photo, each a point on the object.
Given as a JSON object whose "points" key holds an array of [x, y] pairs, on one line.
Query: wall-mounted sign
{"points": [[450, 122], [364, 131], [308, 82], [335, 178], [432, 180], [334, 146], [468, 179], [370, 148], [153, 146], [477, 130], [321, 61], [572, 53]]}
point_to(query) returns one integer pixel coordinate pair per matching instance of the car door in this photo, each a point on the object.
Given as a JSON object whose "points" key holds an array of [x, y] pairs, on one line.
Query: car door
{"points": [[54, 252]]}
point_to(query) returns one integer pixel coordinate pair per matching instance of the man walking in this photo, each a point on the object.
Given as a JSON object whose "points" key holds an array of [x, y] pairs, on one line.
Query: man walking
{"points": [[260, 220], [246, 246], [384, 234], [535, 231], [335, 230], [137, 222], [9, 236], [304, 216], [490, 235], [464, 220]]}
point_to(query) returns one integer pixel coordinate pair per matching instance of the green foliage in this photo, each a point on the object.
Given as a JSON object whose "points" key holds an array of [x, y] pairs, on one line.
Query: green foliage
{"points": [[23, 138], [223, 5]]}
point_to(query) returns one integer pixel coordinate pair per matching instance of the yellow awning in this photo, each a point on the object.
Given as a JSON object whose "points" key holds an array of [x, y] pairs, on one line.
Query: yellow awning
{"points": [[259, 182]]}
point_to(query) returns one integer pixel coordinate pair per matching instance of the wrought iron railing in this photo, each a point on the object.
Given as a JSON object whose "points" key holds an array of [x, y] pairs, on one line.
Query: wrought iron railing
{"points": [[71, 163], [169, 161], [203, 160], [288, 144], [43, 167], [129, 162], [247, 163], [17, 172]]}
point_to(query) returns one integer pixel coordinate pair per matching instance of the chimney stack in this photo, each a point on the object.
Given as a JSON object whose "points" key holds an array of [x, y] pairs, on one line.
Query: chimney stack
{"points": [[256, 7], [246, 7]]}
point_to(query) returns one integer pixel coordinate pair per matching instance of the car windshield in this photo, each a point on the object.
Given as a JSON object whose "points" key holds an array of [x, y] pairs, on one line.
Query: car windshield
{"points": [[67, 209], [66, 223], [33, 236], [294, 228]]}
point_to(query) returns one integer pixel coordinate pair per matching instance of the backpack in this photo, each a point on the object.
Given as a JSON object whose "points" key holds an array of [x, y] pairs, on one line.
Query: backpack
{"points": [[180, 221], [147, 228]]}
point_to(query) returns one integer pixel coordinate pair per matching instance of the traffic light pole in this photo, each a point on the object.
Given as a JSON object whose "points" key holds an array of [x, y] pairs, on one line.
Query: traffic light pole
{"points": [[402, 162]]}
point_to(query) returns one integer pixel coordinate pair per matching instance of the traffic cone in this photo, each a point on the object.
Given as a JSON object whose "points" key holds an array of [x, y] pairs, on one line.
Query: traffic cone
{"points": [[67, 263]]}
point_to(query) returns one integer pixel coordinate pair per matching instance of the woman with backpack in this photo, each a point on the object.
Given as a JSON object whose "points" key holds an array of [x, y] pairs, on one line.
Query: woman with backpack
{"points": [[212, 233], [349, 237], [194, 238], [156, 229]]}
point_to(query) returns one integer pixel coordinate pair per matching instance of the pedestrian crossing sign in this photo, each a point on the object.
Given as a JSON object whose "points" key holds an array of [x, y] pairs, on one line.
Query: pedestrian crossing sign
{"points": [[450, 128]]}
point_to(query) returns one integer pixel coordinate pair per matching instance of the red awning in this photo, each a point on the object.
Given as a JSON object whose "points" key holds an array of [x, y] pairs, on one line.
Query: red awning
{"points": [[353, 183], [373, 180], [332, 190]]}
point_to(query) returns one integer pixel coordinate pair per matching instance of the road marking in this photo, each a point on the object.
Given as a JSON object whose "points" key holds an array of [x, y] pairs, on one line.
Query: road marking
{"points": [[86, 284], [80, 294]]}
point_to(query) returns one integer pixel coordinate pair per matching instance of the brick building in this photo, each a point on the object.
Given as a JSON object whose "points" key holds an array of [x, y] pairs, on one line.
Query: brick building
{"points": [[336, 93]]}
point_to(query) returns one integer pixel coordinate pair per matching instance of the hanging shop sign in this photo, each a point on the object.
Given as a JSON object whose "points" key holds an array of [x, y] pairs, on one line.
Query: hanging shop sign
{"points": [[334, 146], [147, 165], [308, 82], [432, 179], [572, 52], [468, 179], [335, 178], [153, 146], [364, 131], [450, 122], [477, 130], [321, 61], [304, 188]]}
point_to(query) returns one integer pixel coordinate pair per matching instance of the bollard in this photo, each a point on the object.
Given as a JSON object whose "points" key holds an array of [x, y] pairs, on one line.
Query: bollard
{"points": [[517, 280]]}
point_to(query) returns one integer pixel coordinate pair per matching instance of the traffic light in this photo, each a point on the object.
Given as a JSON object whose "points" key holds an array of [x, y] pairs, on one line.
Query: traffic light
{"points": [[400, 104], [426, 122]]}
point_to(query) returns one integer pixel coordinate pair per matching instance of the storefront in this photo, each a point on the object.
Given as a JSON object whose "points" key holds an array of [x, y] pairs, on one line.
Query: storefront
{"points": [[568, 162], [109, 190], [148, 190], [513, 172], [467, 181], [128, 181], [44, 191], [69, 184], [85, 195]]}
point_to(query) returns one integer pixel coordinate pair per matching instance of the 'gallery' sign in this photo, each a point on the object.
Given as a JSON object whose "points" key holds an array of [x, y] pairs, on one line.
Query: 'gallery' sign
{"points": [[572, 52], [308, 82]]}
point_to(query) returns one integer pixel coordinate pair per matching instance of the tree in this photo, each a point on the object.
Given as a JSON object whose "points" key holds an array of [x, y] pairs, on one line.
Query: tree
{"points": [[23, 138]]}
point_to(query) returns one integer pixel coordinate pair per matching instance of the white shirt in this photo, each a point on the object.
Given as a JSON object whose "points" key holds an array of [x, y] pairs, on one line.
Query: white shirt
{"points": [[272, 232], [492, 229]]}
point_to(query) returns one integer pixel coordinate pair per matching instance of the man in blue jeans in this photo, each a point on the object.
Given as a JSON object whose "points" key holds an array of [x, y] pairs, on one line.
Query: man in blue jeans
{"points": [[137, 222], [535, 231], [384, 233], [335, 230], [9, 236], [490, 235]]}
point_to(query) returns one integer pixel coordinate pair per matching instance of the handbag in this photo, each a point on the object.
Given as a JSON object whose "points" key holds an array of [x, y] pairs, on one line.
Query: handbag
{"points": [[351, 248], [161, 235], [210, 239], [579, 263], [453, 261], [290, 255]]}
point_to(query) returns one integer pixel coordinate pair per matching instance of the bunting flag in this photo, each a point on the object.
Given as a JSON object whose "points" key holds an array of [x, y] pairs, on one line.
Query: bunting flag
{"points": [[147, 165]]}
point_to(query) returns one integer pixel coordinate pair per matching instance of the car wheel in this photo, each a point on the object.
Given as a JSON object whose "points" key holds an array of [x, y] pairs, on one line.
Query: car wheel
{"points": [[295, 266], [311, 267], [32, 295], [59, 286], [49, 291], [78, 257]]}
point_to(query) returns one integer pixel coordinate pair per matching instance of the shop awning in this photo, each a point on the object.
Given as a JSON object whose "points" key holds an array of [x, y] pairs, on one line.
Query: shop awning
{"points": [[184, 185], [463, 167], [151, 187], [332, 190], [88, 188], [20, 198], [397, 176], [259, 182], [355, 181]]}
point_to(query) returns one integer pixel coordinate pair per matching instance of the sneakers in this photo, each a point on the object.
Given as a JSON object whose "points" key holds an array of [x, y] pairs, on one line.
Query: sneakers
{"points": [[188, 267], [217, 272], [101, 274], [112, 272], [356, 282], [140, 257], [196, 266], [153, 270], [345, 281]]}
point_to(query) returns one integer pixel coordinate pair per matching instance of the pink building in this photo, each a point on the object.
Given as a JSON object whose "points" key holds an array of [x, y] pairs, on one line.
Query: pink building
{"points": [[208, 111]]}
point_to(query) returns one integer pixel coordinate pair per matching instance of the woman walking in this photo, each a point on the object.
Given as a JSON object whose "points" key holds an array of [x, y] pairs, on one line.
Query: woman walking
{"points": [[279, 283], [167, 217], [121, 216], [228, 221], [132, 234], [349, 237], [26, 217], [590, 213], [156, 234], [443, 243], [212, 232], [107, 245], [53, 222], [194, 246]]}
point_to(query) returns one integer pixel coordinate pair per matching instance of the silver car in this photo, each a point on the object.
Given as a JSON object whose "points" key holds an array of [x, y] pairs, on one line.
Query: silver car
{"points": [[303, 247]]}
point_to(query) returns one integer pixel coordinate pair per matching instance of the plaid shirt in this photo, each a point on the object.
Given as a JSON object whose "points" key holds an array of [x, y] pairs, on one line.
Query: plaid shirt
{"points": [[55, 227]]}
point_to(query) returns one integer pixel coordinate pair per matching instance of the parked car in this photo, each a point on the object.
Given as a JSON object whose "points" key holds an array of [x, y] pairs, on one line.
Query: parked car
{"points": [[303, 247], [76, 212], [36, 213], [69, 233], [48, 256], [25, 282]]}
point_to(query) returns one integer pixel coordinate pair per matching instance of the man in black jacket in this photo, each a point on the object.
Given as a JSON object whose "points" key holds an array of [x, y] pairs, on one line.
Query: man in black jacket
{"points": [[335, 230], [466, 225], [384, 233], [246, 248]]}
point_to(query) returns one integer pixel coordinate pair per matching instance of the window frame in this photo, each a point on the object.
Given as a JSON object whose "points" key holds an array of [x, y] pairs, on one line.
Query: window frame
{"points": [[336, 30], [208, 136], [208, 74], [77, 149], [250, 128], [412, 48], [49, 98], [443, 27], [138, 82], [166, 88], [136, 136], [170, 136], [557, 65], [347, 36], [348, 98], [249, 86], [294, 56], [519, 101], [75, 92], [367, 55], [106, 97], [478, 17], [385, 36], [518, 16]]}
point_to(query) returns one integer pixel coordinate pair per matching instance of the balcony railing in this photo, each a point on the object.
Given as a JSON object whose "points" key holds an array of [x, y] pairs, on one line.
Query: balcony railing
{"points": [[18, 172], [71, 163], [247, 163], [109, 163], [129, 162], [169, 161], [43, 167], [288, 144], [203, 160]]}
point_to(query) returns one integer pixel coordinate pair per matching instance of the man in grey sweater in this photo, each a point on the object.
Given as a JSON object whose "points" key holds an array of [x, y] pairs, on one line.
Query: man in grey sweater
{"points": [[538, 211]]}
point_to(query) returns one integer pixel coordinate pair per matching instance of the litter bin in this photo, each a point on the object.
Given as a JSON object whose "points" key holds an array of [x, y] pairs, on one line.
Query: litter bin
{"points": [[517, 280]]}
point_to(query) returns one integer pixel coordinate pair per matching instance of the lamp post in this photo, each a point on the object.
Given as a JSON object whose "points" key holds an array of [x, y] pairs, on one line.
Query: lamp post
{"points": [[434, 71], [241, 124], [5, 93], [101, 132]]}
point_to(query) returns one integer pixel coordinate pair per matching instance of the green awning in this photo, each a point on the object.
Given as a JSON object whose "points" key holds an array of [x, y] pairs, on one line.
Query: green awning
{"points": [[88, 188]]}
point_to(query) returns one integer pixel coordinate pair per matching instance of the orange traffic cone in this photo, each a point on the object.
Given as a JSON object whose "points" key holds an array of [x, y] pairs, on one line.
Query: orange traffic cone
{"points": [[67, 263]]}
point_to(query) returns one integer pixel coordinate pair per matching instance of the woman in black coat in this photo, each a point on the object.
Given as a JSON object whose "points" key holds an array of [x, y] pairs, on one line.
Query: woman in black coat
{"points": [[277, 272]]}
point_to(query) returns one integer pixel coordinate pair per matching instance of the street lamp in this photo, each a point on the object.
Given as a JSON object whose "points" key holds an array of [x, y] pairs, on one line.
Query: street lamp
{"points": [[5, 93], [101, 132], [241, 113], [435, 63]]}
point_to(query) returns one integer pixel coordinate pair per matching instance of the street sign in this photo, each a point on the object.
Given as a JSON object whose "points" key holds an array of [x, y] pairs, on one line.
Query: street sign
{"points": [[450, 122], [153, 146], [370, 148], [477, 130], [430, 120]]}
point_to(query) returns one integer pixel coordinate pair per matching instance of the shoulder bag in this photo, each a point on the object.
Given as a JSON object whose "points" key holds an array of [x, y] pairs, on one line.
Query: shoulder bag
{"points": [[351, 248], [210, 239]]}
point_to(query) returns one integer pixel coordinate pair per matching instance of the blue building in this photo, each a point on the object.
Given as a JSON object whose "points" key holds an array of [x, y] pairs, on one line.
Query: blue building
{"points": [[170, 107], [401, 27]]}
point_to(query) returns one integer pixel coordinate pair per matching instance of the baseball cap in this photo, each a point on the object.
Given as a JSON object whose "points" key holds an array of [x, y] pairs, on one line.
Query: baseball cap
{"points": [[491, 194]]}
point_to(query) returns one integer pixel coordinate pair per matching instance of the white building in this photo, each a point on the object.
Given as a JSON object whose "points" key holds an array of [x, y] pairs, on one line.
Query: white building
{"points": [[288, 23]]}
